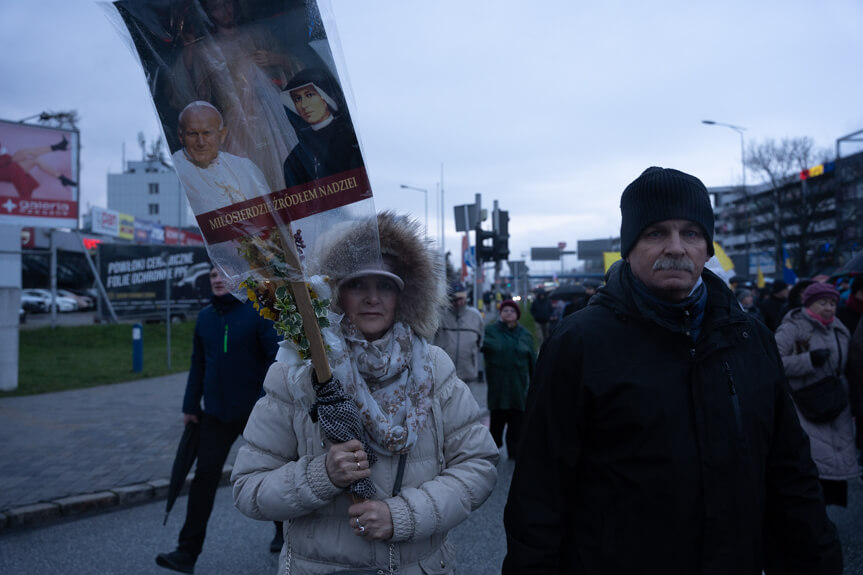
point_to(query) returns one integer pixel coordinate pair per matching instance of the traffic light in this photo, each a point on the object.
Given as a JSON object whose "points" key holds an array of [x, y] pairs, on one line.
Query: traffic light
{"points": [[484, 253], [501, 237]]}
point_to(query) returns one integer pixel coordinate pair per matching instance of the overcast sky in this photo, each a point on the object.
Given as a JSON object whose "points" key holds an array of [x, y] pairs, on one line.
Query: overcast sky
{"points": [[549, 107]]}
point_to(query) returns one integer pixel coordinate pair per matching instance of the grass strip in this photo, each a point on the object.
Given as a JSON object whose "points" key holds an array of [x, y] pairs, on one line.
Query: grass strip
{"points": [[76, 357]]}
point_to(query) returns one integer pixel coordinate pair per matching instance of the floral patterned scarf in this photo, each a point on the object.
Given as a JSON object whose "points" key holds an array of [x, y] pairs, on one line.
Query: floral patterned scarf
{"points": [[391, 382]]}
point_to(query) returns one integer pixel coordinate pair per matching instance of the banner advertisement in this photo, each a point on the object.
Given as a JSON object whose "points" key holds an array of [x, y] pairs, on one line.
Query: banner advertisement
{"points": [[257, 121], [143, 231], [191, 239], [38, 175], [126, 226], [135, 279], [104, 221], [157, 234]]}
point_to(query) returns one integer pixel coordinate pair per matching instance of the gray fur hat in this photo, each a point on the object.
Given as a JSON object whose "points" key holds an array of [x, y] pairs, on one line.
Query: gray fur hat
{"points": [[404, 254]]}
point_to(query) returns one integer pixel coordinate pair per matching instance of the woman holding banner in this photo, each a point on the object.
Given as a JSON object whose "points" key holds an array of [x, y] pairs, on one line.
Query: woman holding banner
{"points": [[424, 451]]}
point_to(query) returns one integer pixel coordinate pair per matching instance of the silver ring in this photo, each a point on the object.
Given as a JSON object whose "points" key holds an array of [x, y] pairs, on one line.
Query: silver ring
{"points": [[362, 528], [359, 467], [358, 522]]}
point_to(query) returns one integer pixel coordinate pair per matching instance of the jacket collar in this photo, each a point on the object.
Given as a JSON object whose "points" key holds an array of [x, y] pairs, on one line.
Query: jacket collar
{"points": [[722, 308], [225, 303]]}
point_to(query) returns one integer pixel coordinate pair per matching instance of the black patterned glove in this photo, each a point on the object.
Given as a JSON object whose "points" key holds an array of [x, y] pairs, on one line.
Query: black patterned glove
{"points": [[339, 419]]}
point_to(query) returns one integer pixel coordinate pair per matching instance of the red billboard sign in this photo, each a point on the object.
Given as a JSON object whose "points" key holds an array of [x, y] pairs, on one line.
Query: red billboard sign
{"points": [[38, 175]]}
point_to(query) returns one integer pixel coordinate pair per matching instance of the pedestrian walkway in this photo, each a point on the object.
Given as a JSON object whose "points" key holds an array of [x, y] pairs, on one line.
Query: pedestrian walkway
{"points": [[112, 444]]}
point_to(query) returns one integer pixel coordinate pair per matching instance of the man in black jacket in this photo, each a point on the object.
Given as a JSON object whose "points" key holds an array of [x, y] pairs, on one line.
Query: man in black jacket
{"points": [[659, 435], [232, 350], [541, 311], [773, 307]]}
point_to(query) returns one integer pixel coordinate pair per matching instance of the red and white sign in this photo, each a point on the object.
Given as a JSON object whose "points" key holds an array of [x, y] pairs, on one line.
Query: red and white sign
{"points": [[38, 175], [105, 221]]}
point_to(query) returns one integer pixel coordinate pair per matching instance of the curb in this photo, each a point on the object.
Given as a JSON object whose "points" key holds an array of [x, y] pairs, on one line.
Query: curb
{"points": [[43, 513]]}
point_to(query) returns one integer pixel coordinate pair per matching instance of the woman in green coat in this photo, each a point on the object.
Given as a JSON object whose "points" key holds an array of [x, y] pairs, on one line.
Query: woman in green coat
{"points": [[509, 359]]}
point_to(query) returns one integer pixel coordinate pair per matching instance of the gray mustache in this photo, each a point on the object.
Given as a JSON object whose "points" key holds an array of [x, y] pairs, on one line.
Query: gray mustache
{"points": [[674, 264]]}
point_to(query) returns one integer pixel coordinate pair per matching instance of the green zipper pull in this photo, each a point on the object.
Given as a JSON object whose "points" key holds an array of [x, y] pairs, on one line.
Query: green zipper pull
{"points": [[226, 338]]}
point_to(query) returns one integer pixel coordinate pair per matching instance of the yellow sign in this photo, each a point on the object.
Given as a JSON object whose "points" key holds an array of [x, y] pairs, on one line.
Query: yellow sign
{"points": [[127, 227], [609, 258]]}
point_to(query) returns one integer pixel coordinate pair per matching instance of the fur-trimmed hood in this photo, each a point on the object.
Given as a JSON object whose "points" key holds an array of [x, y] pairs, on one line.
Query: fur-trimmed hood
{"points": [[406, 254]]}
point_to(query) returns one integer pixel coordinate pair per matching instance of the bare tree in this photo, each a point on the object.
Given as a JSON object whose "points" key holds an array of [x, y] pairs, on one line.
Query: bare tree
{"points": [[795, 209]]}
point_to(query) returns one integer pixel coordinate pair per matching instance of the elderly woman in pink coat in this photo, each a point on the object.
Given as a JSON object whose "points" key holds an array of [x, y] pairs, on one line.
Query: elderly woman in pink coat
{"points": [[814, 349]]}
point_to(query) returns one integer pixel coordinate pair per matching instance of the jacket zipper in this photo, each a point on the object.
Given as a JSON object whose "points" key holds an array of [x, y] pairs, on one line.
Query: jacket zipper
{"points": [[735, 402]]}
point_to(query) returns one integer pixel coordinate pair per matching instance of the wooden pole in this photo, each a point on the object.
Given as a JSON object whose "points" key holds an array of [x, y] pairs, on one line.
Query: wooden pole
{"points": [[313, 331], [317, 349]]}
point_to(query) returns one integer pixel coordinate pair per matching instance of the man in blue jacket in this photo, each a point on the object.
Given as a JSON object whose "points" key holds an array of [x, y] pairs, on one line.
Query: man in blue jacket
{"points": [[659, 435], [232, 350]]}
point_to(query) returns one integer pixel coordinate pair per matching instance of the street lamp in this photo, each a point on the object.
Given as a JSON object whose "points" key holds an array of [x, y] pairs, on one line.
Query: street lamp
{"points": [[740, 131], [426, 192]]}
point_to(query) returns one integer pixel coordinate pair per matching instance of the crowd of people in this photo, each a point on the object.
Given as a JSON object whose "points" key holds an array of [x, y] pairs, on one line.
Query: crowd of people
{"points": [[660, 420], [669, 423]]}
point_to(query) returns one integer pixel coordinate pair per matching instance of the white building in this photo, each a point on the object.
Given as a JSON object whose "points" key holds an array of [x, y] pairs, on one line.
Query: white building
{"points": [[150, 190]]}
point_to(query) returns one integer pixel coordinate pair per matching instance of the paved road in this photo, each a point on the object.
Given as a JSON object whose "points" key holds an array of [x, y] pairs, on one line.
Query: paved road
{"points": [[127, 540], [83, 441]]}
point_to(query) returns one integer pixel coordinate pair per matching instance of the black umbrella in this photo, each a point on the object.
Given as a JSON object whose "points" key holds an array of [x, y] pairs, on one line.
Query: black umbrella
{"points": [[568, 291], [340, 420], [187, 452], [854, 265]]}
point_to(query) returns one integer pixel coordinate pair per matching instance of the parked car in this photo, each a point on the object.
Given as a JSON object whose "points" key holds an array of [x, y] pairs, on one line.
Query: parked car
{"points": [[34, 302], [83, 301], [41, 299]]}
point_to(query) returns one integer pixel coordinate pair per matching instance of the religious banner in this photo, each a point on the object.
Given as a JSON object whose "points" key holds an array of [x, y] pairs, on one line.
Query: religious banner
{"points": [[256, 117]]}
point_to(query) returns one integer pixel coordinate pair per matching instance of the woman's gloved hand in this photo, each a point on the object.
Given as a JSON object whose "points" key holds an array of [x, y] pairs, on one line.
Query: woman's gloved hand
{"points": [[819, 356]]}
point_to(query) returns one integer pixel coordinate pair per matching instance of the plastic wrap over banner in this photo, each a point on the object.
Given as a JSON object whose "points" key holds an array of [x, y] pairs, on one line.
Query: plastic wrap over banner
{"points": [[255, 115]]}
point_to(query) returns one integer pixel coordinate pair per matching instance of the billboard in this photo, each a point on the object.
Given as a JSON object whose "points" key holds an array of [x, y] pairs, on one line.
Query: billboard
{"points": [[545, 254], [38, 175], [104, 221], [135, 279], [125, 226]]}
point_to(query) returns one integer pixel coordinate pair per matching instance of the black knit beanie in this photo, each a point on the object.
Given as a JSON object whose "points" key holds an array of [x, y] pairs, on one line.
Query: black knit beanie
{"points": [[663, 194]]}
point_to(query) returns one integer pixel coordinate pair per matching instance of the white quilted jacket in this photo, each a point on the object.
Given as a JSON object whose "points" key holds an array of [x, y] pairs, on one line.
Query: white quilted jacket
{"points": [[279, 475]]}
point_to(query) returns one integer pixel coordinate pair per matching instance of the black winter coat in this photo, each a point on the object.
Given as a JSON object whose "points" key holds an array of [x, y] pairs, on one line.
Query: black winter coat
{"points": [[643, 453], [232, 350], [772, 309], [541, 309]]}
